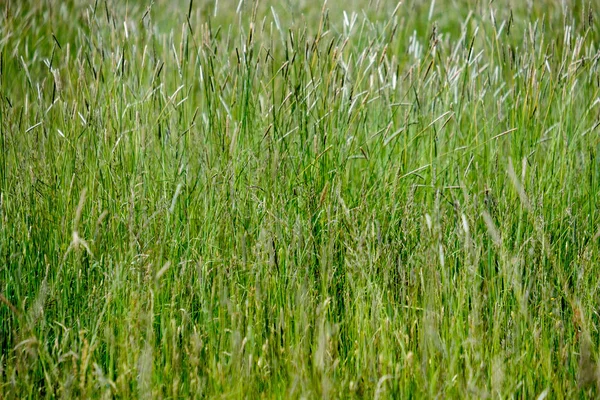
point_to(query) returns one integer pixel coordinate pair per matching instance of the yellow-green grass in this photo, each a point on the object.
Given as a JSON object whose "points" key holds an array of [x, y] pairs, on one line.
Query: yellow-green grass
{"points": [[299, 200]]}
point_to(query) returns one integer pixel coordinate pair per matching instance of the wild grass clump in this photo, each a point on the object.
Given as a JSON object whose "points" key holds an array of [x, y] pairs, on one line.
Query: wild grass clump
{"points": [[233, 199]]}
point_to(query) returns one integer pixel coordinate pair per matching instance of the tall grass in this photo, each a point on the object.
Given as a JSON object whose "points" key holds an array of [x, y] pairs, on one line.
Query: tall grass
{"points": [[238, 199]]}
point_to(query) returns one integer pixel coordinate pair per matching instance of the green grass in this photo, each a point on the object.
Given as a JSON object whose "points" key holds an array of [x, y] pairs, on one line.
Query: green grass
{"points": [[361, 199]]}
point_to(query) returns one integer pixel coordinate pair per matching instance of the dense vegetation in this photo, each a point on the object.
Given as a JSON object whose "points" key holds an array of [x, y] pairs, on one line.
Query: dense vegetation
{"points": [[354, 198]]}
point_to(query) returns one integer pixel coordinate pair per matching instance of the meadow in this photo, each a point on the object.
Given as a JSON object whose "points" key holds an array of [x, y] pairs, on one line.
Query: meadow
{"points": [[252, 199]]}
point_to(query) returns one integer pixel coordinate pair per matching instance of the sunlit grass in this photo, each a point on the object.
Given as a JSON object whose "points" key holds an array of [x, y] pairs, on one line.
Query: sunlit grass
{"points": [[357, 199]]}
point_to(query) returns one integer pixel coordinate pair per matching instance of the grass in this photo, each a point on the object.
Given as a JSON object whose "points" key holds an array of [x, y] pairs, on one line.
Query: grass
{"points": [[357, 199]]}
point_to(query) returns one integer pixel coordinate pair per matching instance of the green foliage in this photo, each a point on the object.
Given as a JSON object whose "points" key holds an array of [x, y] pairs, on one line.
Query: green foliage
{"points": [[233, 199]]}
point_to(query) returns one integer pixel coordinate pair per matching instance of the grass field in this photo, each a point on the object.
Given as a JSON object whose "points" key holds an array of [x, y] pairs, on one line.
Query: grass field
{"points": [[357, 199]]}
